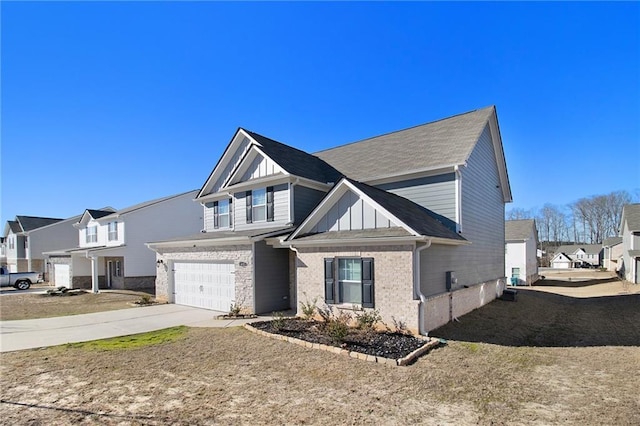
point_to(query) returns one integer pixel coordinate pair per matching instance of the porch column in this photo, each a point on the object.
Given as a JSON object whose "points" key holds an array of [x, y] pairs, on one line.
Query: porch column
{"points": [[94, 274]]}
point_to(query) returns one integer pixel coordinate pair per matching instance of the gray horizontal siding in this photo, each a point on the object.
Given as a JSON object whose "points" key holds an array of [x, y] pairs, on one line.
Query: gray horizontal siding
{"points": [[436, 193], [482, 225], [280, 209], [304, 201]]}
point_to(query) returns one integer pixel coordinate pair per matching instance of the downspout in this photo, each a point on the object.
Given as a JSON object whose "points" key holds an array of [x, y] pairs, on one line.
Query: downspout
{"points": [[295, 279], [291, 200], [416, 286]]}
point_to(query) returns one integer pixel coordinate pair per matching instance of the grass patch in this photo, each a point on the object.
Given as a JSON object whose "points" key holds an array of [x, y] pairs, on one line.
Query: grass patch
{"points": [[133, 341], [471, 347]]}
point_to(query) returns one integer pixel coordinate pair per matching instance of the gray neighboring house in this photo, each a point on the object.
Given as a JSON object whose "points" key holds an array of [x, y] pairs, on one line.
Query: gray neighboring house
{"points": [[410, 223], [612, 253], [630, 233]]}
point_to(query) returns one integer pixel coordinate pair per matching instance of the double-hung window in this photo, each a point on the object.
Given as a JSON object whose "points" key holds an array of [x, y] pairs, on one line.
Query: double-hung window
{"points": [[113, 231], [92, 234], [349, 281], [260, 206], [12, 243], [222, 213]]}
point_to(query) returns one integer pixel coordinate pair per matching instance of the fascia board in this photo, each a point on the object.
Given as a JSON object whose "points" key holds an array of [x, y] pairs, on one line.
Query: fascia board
{"points": [[199, 243], [501, 162], [217, 168], [359, 241]]}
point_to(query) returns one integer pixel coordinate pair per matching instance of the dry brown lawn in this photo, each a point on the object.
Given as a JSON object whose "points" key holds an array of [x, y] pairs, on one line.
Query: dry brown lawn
{"points": [[29, 305], [545, 359]]}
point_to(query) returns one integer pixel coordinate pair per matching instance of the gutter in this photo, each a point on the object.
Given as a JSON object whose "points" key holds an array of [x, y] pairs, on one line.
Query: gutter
{"points": [[416, 287]]}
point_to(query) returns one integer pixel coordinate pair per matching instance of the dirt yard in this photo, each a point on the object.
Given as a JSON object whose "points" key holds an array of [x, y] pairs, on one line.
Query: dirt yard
{"points": [[28, 306], [545, 359]]}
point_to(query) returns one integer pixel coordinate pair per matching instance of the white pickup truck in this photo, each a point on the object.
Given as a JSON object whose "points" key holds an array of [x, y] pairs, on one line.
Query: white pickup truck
{"points": [[19, 280]]}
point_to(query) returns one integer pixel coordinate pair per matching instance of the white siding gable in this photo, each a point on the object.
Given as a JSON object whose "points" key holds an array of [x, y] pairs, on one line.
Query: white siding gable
{"points": [[352, 213], [260, 166], [232, 164]]}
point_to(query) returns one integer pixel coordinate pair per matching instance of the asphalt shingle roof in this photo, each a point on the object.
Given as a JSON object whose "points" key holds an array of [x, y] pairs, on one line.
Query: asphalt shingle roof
{"points": [[418, 218], [97, 214], [29, 223], [518, 229], [631, 213], [440, 143], [297, 162], [588, 248], [612, 241]]}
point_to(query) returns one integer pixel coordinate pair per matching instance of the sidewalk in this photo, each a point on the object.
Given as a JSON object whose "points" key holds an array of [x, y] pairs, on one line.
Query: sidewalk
{"points": [[36, 333]]}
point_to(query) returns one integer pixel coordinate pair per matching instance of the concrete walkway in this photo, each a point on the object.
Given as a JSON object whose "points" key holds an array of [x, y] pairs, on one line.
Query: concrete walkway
{"points": [[37, 333]]}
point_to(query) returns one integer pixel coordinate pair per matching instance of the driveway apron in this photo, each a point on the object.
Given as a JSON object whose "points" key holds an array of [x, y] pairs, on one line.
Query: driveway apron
{"points": [[36, 333]]}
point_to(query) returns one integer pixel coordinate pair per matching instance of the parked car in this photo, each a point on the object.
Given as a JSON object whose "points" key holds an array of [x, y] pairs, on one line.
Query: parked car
{"points": [[19, 280]]}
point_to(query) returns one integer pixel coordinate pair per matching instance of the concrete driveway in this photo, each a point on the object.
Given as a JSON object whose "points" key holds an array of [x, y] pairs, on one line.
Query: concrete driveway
{"points": [[36, 333]]}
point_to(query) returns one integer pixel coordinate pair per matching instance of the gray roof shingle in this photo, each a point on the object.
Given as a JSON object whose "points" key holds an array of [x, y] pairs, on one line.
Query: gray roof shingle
{"points": [[29, 223], [295, 161], [612, 241], [631, 213], [516, 230], [441, 143]]}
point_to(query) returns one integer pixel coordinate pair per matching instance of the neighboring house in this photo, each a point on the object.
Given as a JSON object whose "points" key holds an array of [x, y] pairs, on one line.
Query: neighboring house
{"points": [[3, 253], [110, 249], [521, 245], [579, 255], [410, 223], [28, 237], [612, 253], [630, 232]]}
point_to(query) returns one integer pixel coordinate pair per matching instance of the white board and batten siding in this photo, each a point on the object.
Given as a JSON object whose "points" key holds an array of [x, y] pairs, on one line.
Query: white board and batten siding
{"points": [[233, 162], [207, 285], [482, 223], [260, 167], [351, 213]]}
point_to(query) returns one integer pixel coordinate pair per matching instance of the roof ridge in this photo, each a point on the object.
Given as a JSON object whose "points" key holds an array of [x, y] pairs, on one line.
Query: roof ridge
{"points": [[405, 129]]}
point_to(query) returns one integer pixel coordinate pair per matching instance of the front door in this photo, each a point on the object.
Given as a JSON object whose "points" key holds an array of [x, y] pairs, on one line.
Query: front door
{"points": [[114, 273]]}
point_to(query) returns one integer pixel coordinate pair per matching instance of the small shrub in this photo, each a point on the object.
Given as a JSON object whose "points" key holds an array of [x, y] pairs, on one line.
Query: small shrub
{"points": [[308, 308], [326, 314], [235, 309], [368, 319], [278, 320], [338, 326], [399, 326], [145, 299]]}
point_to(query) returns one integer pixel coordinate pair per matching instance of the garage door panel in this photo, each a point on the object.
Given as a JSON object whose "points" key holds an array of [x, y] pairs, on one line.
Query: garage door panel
{"points": [[61, 276], [204, 285]]}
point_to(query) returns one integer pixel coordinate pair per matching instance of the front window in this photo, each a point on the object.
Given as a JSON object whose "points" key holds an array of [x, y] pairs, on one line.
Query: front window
{"points": [[259, 205], [26, 243], [113, 231], [223, 214], [350, 280], [92, 234], [12, 243]]}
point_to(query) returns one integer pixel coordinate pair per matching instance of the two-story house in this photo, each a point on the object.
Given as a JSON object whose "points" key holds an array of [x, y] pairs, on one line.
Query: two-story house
{"points": [[521, 245], [111, 251], [630, 233], [28, 237], [612, 253], [410, 223], [577, 255]]}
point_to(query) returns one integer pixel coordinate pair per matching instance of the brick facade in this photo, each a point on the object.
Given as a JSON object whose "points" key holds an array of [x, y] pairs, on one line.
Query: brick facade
{"points": [[241, 255], [393, 279]]}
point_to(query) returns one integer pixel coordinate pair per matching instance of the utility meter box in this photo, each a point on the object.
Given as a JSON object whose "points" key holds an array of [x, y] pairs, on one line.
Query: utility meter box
{"points": [[452, 281]]}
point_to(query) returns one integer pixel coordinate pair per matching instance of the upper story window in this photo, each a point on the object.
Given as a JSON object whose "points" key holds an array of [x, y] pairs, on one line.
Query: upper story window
{"points": [[26, 243], [92, 234], [222, 214], [12, 243], [260, 206], [2, 252], [113, 231]]}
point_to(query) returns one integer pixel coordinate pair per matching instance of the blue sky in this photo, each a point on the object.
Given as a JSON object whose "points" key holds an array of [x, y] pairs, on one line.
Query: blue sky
{"points": [[111, 104]]}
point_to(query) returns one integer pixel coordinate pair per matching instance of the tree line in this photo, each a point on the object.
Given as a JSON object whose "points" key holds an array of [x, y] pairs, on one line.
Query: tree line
{"points": [[588, 220]]}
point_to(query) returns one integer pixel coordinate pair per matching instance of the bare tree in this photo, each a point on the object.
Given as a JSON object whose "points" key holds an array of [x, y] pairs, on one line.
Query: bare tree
{"points": [[518, 214]]}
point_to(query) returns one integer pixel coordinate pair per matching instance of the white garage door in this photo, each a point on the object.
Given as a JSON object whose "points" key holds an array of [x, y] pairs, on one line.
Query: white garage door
{"points": [[61, 276], [204, 285]]}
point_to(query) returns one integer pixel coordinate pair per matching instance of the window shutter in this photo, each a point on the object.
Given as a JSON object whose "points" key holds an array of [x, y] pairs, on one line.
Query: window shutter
{"points": [[247, 197], [328, 280], [367, 282], [270, 204], [216, 218], [230, 212]]}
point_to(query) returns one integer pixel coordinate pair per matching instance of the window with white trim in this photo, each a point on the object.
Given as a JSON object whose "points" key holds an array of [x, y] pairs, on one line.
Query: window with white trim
{"points": [[259, 205], [92, 234], [12, 243], [224, 214], [349, 281], [113, 231]]}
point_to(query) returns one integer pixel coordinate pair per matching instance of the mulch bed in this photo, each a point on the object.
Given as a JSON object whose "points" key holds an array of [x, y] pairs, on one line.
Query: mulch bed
{"points": [[393, 345]]}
